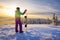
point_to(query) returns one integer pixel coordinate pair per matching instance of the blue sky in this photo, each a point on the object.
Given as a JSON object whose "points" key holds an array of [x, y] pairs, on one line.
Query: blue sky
{"points": [[52, 3]]}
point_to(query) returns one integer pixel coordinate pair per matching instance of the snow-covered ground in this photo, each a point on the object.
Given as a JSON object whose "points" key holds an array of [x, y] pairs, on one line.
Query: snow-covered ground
{"points": [[33, 32]]}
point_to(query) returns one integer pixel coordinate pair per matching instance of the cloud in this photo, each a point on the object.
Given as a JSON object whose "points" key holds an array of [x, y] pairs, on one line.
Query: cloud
{"points": [[46, 9]]}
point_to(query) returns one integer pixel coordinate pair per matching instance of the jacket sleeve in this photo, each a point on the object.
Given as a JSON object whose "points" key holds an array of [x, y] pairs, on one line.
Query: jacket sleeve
{"points": [[21, 13]]}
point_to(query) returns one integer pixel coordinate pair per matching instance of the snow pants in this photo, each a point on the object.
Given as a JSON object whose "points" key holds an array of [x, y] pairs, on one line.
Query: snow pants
{"points": [[18, 23]]}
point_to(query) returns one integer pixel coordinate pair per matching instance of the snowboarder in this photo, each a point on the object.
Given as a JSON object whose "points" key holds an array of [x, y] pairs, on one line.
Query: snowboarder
{"points": [[18, 19]]}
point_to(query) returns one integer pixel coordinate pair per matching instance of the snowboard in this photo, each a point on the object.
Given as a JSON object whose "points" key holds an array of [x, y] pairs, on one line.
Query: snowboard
{"points": [[25, 21]]}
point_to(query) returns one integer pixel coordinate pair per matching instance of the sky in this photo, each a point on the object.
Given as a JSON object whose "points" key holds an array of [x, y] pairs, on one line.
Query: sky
{"points": [[33, 6], [35, 9]]}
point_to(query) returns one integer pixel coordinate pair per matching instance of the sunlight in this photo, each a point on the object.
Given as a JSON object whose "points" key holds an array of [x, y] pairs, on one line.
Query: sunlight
{"points": [[10, 11]]}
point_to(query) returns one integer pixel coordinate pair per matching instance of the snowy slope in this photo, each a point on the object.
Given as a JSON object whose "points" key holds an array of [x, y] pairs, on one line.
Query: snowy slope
{"points": [[34, 32]]}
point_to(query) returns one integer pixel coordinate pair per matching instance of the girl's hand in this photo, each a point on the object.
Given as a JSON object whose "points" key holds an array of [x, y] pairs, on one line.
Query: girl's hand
{"points": [[25, 11]]}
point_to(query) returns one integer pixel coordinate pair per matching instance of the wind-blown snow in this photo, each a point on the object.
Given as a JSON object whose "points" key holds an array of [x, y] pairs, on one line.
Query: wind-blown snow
{"points": [[33, 32]]}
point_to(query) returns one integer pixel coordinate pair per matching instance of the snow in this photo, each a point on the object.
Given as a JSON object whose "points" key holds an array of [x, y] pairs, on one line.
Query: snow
{"points": [[33, 32]]}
